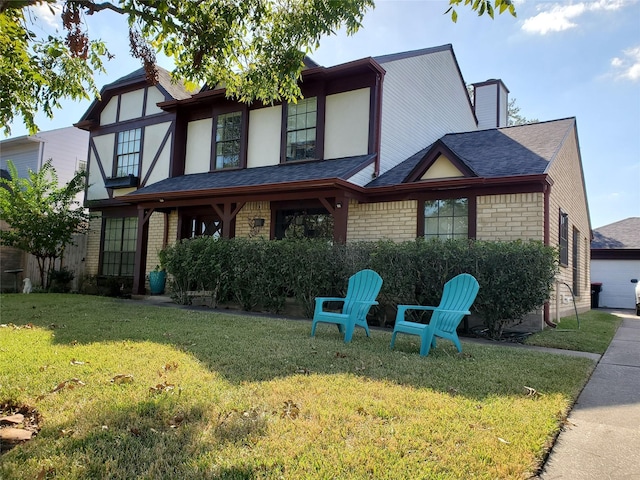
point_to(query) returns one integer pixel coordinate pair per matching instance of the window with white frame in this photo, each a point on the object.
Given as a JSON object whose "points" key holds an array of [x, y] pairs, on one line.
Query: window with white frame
{"points": [[128, 153], [301, 129], [228, 132], [447, 218]]}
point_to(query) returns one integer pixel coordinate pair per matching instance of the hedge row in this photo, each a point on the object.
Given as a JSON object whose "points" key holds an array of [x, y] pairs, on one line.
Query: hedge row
{"points": [[515, 277]]}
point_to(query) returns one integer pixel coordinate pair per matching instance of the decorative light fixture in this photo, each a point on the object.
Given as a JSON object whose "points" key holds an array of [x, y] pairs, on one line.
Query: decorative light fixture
{"points": [[258, 222], [338, 204]]}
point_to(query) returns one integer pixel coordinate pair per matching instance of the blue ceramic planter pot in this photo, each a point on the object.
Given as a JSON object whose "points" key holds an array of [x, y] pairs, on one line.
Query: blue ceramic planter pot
{"points": [[157, 281]]}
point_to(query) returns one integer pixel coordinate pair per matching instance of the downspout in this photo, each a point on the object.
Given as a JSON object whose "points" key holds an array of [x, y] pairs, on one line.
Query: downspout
{"points": [[547, 195], [378, 141]]}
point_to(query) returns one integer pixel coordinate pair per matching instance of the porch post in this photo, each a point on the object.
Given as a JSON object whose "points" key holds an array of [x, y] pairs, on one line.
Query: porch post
{"points": [[340, 219], [141, 251]]}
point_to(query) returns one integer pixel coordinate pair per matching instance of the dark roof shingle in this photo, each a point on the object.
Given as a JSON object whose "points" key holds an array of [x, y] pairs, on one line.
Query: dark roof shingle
{"points": [[623, 234], [499, 152], [341, 168]]}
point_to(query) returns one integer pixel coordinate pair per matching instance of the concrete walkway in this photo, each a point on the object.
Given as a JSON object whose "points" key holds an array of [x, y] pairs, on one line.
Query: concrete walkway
{"points": [[601, 439]]}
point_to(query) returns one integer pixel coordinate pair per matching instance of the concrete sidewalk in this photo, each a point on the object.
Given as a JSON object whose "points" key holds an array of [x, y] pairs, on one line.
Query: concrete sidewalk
{"points": [[601, 439]]}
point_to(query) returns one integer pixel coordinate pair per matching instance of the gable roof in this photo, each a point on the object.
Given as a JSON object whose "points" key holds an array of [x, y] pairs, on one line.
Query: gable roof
{"points": [[494, 153], [186, 185], [175, 90], [624, 234], [172, 90], [413, 53]]}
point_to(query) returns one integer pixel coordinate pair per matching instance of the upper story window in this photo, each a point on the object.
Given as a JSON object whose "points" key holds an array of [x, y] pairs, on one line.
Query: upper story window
{"points": [[128, 153], [301, 129], [446, 218], [563, 240], [228, 133]]}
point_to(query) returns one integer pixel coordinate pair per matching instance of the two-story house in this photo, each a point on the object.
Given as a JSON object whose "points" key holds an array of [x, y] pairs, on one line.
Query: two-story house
{"points": [[67, 149], [385, 147]]}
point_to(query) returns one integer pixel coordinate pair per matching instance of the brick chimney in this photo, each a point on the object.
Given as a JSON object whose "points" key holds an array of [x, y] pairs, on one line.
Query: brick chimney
{"points": [[491, 103]]}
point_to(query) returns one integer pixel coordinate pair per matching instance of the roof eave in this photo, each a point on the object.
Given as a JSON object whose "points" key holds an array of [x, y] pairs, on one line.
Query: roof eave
{"points": [[248, 190]]}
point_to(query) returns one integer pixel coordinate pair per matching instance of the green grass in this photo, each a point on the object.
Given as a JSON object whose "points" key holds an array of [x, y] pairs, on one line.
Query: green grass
{"points": [[594, 334], [230, 396]]}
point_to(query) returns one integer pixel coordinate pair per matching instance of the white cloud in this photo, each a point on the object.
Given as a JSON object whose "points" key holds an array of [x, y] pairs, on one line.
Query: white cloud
{"points": [[560, 17], [42, 12], [628, 66]]}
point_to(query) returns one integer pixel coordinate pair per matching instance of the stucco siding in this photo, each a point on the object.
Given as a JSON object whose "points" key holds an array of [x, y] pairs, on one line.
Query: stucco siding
{"points": [[199, 137], [109, 113], [105, 148], [347, 124], [131, 104], [265, 125], [154, 96], [424, 98], [153, 136]]}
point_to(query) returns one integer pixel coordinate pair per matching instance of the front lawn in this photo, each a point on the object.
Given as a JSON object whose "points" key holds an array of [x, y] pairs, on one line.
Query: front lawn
{"points": [[125, 390], [593, 333]]}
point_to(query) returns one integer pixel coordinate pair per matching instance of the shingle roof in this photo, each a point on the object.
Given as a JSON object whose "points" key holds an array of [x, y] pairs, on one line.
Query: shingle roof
{"points": [[342, 168], [176, 90], [413, 53], [499, 152], [623, 234]]}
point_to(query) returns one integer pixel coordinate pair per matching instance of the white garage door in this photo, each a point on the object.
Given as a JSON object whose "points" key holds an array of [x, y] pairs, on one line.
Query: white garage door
{"points": [[615, 276]]}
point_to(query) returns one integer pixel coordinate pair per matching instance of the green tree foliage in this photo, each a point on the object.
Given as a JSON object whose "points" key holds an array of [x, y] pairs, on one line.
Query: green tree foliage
{"points": [[515, 118], [255, 48], [42, 216]]}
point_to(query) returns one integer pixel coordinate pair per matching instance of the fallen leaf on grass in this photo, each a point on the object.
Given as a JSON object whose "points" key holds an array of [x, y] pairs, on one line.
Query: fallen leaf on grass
{"points": [[290, 410], [70, 384], [42, 474], [122, 378], [176, 421], [15, 419], [170, 366], [14, 435], [162, 387], [76, 362], [531, 392], [504, 441]]}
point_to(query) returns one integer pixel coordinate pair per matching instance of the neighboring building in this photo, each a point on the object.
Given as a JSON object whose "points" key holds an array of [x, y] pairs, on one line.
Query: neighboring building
{"points": [[385, 147], [615, 262], [67, 147]]}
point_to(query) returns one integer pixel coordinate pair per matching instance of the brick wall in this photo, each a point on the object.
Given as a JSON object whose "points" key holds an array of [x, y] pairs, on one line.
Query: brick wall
{"points": [[568, 193], [510, 217], [245, 227], [93, 244], [374, 221]]}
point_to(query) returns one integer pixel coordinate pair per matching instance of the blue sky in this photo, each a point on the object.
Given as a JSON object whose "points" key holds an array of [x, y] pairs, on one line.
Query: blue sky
{"points": [[559, 59]]}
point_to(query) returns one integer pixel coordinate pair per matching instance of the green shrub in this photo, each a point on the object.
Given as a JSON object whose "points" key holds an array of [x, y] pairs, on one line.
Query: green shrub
{"points": [[60, 280], [515, 277]]}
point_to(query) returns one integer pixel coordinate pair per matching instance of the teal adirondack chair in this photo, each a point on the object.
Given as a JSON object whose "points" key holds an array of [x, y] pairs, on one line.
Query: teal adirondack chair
{"points": [[457, 297], [361, 296]]}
